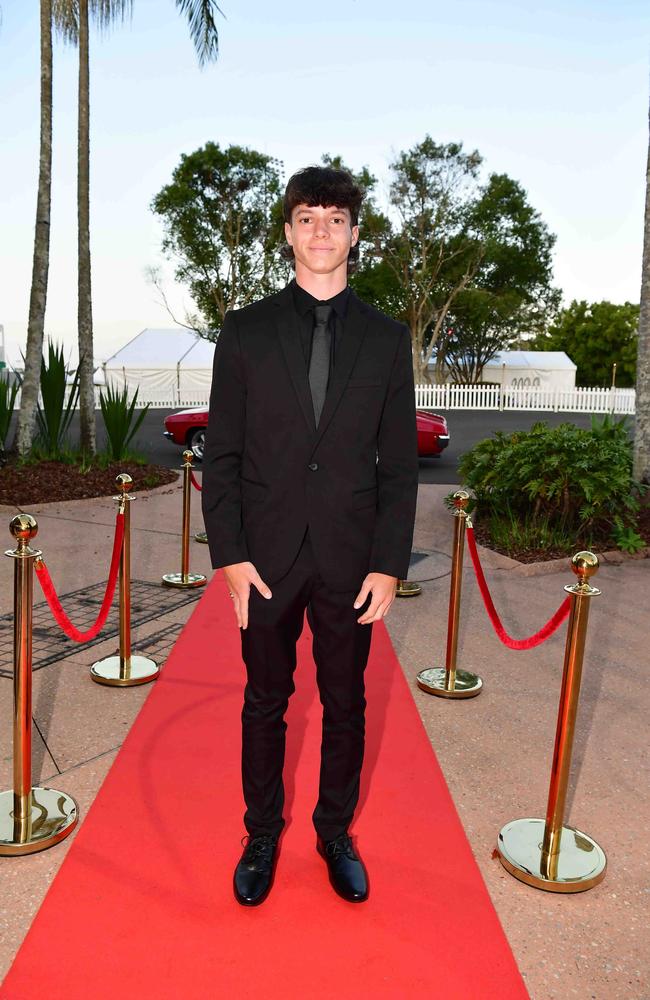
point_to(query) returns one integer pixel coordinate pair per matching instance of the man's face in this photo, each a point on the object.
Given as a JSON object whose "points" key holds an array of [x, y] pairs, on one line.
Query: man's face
{"points": [[321, 237]]}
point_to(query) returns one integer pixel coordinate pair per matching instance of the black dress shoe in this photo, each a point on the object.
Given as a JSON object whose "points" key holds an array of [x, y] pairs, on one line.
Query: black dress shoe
{"points": [[254, 873], [346, 871]]}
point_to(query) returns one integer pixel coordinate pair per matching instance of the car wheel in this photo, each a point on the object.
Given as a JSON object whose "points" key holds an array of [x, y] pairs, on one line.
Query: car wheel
{"points": [[196, 441]]}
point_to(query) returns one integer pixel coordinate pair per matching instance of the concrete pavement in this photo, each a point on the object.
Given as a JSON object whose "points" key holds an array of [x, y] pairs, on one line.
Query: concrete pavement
{"points": [[495, 750]]}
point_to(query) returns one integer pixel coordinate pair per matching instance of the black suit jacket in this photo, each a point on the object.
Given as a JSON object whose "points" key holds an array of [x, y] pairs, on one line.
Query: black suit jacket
{"points": [[268, 472]]}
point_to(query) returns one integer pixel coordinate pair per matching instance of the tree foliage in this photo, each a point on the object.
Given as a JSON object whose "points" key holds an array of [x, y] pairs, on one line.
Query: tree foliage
{"points": [[642, 425], [463, 263], [448, 255], [222, 220], [511, 292], [595, 336], [564, 481]]}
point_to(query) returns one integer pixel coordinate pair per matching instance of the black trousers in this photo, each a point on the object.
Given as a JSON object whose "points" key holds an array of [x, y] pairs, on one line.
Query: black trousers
{"points": [[340, 648]]}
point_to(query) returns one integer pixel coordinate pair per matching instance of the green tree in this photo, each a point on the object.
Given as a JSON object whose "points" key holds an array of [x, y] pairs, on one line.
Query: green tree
{"points": [[595, 336], [453, 248], [642, 430], [222, 218], [511, 292], [41, 261]]}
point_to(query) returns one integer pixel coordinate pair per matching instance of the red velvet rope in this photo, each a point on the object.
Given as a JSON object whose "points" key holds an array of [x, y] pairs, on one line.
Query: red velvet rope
{"points": [[534, 640], [62, 619], [195, 483]]}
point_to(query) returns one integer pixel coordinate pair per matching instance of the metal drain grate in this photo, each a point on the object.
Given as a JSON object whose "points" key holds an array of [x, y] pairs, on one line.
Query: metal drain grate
{"points": [[148, 602]]}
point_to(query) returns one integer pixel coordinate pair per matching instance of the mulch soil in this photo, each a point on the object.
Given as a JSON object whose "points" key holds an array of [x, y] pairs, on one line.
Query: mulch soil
{"points": [[45, 482], [604, 544]]}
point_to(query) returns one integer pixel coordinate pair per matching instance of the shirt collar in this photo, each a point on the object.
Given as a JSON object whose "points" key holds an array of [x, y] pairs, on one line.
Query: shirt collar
{"points": [[304, 300]]}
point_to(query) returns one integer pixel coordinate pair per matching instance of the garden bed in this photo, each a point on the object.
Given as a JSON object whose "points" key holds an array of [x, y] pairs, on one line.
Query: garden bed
{"points": [[532, 555], [48, 481]]}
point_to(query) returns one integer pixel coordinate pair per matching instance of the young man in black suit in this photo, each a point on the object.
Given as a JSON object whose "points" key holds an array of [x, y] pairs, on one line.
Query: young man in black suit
{"points": [[309, 492]]}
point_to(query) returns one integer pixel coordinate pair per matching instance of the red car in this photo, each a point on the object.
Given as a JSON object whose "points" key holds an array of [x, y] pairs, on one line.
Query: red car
{"points": [[187, 428]]}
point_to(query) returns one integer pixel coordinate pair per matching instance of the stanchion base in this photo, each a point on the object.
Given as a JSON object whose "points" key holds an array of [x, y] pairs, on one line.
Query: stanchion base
{"points": [[407, 588], [434, 680], [178, 580], [201, 536], [581, 863], [54, 816], [140, 670]]}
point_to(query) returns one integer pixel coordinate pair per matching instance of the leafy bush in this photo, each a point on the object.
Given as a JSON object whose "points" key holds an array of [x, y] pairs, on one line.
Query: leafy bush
{"points": [[558, 483], [8, 393], [54, 413], [119, 420]]}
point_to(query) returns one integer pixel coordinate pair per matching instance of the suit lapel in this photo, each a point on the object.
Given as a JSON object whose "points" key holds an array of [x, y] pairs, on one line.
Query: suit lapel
{"points": [[289, 334], [354, 330]]}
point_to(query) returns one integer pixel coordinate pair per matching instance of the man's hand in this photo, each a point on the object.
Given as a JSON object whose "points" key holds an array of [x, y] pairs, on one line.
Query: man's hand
{"points": [[239, 577], [383, 589]]}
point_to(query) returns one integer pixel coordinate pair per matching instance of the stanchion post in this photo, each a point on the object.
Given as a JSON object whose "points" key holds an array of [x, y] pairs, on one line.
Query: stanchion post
{"points": [[185, 578], [545, 853], [31, 819], [450, 682], [125, 669]]}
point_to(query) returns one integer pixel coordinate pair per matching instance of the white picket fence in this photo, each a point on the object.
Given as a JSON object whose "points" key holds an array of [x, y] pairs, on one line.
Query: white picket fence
{"points": [[447, 397], [494, 397]]}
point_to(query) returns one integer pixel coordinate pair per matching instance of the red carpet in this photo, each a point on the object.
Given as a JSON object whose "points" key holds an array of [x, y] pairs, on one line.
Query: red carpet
{"points": [[143, 907]]}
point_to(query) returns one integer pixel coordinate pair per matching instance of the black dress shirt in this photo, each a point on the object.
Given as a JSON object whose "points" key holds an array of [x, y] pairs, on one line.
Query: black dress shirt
{"points": [[304, 304]]}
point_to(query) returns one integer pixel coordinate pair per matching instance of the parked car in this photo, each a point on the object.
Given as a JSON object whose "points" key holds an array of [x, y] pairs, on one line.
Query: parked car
{"points": [[187, 429]]}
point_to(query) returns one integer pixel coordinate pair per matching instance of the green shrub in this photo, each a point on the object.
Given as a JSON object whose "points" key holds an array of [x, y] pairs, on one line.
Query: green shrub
{"points": [[119, 420], [8, 393], [54, 414], [556, 483]]}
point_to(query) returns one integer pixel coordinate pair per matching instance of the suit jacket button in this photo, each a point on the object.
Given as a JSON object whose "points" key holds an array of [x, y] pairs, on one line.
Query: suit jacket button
{"points": [[313, 466]]}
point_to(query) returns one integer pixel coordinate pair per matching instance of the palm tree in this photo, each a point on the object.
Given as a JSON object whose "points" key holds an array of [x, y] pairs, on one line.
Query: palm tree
{"points": [[72, 19], [642, 432], [41, 260]]}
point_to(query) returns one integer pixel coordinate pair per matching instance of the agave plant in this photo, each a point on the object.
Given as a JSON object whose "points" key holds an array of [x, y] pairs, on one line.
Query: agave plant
{"points": [[8, 393], [118, 414], [57, 403]]}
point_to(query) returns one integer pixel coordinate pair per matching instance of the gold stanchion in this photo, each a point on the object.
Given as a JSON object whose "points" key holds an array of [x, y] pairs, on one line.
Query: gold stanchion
{"points": [[185, 578], [547, 854], [407, 588], [125, 669], [31, 819], [450, 682], [201, 536]]}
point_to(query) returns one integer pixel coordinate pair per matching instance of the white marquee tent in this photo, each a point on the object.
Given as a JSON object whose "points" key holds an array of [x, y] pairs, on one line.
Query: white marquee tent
{"points": [[169, 367], [531, 369]]}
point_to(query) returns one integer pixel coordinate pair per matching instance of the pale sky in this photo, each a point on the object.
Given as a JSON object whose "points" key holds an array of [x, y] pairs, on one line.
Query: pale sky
{"points": [[554, 94]]}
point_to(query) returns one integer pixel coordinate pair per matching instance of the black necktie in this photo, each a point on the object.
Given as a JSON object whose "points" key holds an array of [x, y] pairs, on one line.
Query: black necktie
{"points": [[319, 364]]}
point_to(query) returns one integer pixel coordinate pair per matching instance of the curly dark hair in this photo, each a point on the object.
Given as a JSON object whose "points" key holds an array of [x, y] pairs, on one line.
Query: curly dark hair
{"points": [[325, 186]]}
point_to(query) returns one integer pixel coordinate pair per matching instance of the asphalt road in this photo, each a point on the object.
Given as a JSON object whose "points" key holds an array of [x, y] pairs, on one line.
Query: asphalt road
{"points": [[466, 428]]}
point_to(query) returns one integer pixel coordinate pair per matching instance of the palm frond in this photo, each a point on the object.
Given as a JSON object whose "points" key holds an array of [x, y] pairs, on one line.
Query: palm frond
{"points": [[104, 13], [200, 16], [65, 17]]}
